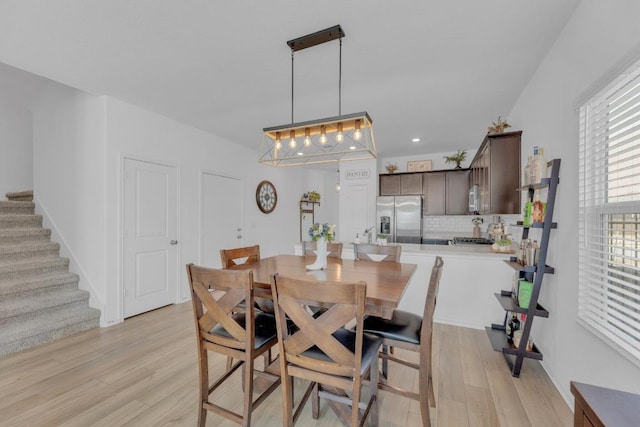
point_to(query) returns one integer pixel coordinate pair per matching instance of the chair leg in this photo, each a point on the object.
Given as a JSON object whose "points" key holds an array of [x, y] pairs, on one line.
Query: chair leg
{"points": [[385, 362], [204, 386], [247, 381], [287, 400], [355, 404], [229, 362], [374, 378], [425, 392], [315, 401]]}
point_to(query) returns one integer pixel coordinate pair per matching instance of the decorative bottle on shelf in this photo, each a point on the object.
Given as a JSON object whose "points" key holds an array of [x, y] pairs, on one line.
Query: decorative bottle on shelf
{"points": [[541, 168], [533, 169], [514, 325], [527, 172]]}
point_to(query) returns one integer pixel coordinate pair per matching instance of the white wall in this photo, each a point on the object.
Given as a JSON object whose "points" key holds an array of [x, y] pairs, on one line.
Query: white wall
{"points": [[134, 132], [69, 179], [17, 88], [598, 36]]}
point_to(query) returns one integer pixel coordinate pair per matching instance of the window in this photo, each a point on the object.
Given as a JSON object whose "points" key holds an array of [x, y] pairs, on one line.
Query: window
{"points": [[609, 213]]}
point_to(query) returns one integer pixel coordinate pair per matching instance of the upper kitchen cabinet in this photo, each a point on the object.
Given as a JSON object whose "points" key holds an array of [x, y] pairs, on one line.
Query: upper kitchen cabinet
{"points": [[401, 184], [495, 169], [458, 192], [445, 192]]}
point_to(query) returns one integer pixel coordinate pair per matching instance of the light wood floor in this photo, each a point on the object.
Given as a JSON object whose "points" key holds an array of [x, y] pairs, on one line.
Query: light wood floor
{"points": [[143, 373]]}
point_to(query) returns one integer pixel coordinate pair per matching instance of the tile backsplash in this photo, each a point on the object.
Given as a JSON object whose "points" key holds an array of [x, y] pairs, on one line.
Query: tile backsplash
{"points": [[462, 223]]}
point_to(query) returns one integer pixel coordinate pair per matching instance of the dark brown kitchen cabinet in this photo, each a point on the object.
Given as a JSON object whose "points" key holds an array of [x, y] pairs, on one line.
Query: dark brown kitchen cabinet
{"points": [[496, 170], [445, 192], [457, 192], [401, 184], [434, 186]]}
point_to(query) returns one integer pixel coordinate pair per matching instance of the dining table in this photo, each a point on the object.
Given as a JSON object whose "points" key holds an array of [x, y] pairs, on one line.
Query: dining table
{"points": [[386, 281]]}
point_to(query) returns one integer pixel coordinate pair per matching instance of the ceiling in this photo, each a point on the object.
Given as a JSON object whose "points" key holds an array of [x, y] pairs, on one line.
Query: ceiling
{"points": [[441, 71]]}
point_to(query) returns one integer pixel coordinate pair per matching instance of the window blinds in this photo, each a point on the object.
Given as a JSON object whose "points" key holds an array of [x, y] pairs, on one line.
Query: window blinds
{"points": [[609, 212]]}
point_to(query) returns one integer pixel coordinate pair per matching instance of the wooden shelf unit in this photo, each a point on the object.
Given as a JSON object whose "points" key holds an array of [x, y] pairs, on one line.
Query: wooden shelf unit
{"points": [[496, 332]]}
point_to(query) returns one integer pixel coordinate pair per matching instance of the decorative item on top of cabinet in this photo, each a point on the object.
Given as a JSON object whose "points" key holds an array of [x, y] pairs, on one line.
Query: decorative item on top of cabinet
{"points": [[533, 273], [391, 167], [498, 127], [456, 158], [419, 165], [496, 170]]}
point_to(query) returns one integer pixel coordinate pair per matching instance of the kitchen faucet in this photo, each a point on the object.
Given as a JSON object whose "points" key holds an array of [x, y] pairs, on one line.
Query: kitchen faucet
{"points": [[368, 233]]}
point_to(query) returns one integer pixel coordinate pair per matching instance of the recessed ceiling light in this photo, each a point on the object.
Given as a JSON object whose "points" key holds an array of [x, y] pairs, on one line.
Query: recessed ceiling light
{"points": [[300, 153], [415, 140], [353, 147]]}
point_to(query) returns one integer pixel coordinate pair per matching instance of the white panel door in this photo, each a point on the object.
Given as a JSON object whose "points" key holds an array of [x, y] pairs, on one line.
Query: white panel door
{"points": [[358, 209], [221, 220], [150, 236]]}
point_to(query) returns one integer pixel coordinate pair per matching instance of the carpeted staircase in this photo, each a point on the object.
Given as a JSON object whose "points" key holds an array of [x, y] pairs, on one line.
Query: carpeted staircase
{"points": [[39, 297]]}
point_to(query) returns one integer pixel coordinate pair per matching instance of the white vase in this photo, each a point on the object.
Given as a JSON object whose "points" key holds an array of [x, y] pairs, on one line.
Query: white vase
{"points": [[321, 255]]}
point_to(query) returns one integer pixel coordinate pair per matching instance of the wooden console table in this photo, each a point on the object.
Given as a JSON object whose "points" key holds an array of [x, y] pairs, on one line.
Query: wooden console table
{"points": [[599, 406]]}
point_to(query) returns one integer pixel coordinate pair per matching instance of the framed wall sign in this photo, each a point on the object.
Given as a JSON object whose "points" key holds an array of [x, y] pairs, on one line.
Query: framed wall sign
{"points": [[418, 165]]}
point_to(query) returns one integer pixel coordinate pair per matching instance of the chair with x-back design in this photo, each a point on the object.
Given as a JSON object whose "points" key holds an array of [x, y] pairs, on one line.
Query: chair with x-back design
{"points": [[219, 329], [321, 350]]}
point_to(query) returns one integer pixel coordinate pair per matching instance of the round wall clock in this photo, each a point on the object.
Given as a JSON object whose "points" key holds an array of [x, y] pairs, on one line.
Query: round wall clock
{"points": [[266, 197]]}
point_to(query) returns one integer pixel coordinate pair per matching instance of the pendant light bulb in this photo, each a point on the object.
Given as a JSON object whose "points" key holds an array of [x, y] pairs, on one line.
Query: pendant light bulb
{"points": [[278, 142], [292, 139], [323, 135], [339, 135], [357, 134], [307, 137]]}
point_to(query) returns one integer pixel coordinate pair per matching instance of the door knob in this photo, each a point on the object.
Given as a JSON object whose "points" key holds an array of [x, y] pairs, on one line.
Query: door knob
{"points": [[239, 229], [174, 242], [239, 236]]}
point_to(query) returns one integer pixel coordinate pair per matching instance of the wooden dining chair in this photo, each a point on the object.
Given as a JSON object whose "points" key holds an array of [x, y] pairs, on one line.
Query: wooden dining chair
{"points": [[321, 350], [334, 250], [231, 257], [242, 336], [412, 332], [364, 252]]}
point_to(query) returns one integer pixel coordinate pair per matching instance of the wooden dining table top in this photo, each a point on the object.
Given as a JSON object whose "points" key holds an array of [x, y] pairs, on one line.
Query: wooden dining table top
{"points": [[386, 281]]}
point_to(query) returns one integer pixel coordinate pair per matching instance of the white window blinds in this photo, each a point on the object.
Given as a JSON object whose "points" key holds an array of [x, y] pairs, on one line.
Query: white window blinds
{"points": [[609, 213]]}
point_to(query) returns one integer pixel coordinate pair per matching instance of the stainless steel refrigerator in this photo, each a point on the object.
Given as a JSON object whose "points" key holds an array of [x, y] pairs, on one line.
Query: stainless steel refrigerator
{"points": [[399, 218]]}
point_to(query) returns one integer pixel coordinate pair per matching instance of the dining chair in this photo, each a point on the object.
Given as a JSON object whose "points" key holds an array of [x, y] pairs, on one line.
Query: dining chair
{"points": [[334, 250], [243, 336], [387, 253], [231, 257], [321, 350], [411, 332]]}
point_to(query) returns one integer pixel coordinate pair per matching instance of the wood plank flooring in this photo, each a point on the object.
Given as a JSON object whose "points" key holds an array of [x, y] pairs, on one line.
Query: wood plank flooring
{"points": [[143, 373]]}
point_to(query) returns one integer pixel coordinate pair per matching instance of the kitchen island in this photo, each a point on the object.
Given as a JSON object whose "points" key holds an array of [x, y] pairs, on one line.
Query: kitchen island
{"points": [[471, 275]]}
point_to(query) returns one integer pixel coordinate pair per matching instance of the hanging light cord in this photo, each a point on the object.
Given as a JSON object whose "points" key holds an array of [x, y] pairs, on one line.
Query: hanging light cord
{"points": [[340, 81], [291, 86]]}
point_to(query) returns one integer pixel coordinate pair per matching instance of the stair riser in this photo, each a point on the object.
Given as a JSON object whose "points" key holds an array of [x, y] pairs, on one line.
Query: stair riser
{"points": [[26, 221], [32, 272], [7, 315], [25, 237], [19, 290], [34, 340], [16, 210], [23, 256]]}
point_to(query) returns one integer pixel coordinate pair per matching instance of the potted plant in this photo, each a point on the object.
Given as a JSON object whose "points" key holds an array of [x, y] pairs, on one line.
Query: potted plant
{"points": [[314, 196], [457, 158]]}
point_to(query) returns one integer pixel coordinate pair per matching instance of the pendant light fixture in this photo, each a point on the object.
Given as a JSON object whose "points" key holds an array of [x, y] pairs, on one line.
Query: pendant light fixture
{"points": [[332, 139]]}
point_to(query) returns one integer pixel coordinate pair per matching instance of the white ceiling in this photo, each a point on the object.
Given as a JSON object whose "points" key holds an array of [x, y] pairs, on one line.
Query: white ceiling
{"points": [[441, 71]]}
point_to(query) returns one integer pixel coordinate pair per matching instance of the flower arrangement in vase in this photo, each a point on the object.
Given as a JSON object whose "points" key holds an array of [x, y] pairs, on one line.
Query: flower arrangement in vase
{"points": [[321, 234], [498, 127]]}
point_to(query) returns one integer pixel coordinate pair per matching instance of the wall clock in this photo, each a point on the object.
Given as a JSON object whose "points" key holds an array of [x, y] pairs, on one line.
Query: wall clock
{"points": [[266, 197]]}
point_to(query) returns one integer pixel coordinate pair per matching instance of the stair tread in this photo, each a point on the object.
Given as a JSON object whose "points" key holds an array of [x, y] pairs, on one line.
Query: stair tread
{"points": [[38, 260], [49, 279], [17, 203], [19, 193], [18, 215], [29, 246], [15, 331], [10, 232], [20, 304]]}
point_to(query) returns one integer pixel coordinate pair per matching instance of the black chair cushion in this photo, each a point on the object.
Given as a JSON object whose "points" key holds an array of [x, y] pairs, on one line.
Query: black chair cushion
{"points": [[403, 326], [370, 346], [265, 328]]}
